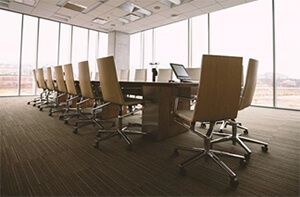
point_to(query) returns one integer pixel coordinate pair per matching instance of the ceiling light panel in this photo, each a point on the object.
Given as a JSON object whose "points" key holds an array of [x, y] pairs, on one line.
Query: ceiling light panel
{"points": [[74, 6], [100, 21], [132, 17], [28, 2]]}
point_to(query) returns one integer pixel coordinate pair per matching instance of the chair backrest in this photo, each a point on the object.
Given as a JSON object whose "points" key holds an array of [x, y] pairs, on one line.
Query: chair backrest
{"points": [[164, 75], [50, 83], [85, 79], [194, 73], [219, 88], [124, 75], [59, 76], [109, 83], [140, 75], [35, 78], [41, 78], [69, 76], [250, 84]]}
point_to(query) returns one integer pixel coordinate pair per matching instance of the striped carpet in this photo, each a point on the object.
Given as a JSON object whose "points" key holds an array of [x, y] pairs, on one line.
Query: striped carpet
{"points": [[40, 156]]}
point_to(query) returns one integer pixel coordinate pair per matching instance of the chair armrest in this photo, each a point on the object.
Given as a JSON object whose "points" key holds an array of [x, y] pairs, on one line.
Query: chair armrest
{"points": [[81, 102], [101, 106], [71, 99]]}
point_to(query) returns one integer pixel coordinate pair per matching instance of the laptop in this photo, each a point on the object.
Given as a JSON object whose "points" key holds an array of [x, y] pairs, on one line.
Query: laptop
{"points": [[181, 73]]}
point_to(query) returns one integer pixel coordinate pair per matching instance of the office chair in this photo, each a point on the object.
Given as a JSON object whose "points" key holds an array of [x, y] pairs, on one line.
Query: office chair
{"points": [[140, 75], [43, 85], [73, 94], [112, 94], [40, 98], [245, 101], [217, 99], [61, 96], [124, 75], [87, 108], [194, 73], [164, 75], [50, 88]]}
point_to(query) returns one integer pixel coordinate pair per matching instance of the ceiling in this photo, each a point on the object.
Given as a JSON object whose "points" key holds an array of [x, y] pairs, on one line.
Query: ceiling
{"points": [[162, 12]]}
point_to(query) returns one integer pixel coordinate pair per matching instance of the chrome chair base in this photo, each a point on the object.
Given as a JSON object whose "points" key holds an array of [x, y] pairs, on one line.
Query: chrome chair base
{"points": [[238, 138]]}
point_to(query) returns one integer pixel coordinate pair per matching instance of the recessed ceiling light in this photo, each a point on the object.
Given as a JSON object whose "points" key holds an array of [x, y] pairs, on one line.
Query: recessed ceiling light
{"points": [[74, 6], [174, 16], [112, 25], [27, 2], [132, 17], [100, 21], [157, 7]]}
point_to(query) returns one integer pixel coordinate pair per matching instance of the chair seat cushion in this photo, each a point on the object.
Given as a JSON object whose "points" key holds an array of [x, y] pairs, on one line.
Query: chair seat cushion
{"points": [[185, 114]]}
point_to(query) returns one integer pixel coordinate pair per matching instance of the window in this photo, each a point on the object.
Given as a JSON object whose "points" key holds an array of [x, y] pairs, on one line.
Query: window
{"points": [[135, 53], [65, 44], [170, 46], [199, 39], [48, 44], [287, 40], [103, 45], [148, 52], [79, 47], [93, 49], [29, 50], [246, 31], [10, 39]]}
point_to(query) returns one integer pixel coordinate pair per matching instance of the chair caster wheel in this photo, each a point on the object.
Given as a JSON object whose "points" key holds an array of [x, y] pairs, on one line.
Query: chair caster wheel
{"points": [[221, 131], [246, 132], [66, 122], [41, 109], [96, 145], [38, 106], [34, 105], [176, 152], [50, 114], [75, 124], [247, 156], [129, 147], [28, 103], [234, 182], [75, 131], [243, 162], [98, 135], [61, 117], [203, 126], [264, 148], [182, 171]]}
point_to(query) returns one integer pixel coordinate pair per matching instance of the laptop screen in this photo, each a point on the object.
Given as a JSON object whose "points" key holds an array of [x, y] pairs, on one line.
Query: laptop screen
{"points": [[180, 71]]}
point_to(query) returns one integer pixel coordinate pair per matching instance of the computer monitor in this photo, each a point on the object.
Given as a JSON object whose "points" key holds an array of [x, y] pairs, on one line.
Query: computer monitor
{"points": [[180, 72]]}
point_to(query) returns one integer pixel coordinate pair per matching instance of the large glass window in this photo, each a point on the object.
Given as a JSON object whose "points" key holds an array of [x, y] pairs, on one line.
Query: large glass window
{"points": [[48, 43], [287, 31], [65, 44], [148, 52], [135, 53], [199, 39], [246, 31], [79, 47], [103, 45], [93, 49], [29, 50], [10, 40], [171, 44]]}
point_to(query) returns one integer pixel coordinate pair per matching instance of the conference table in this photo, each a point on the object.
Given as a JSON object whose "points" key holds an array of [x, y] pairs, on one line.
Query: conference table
{"points": [[159, 100]]}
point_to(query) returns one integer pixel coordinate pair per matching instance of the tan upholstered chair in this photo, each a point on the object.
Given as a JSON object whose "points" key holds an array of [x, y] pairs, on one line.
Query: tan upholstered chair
{"points": [[140, 75], [61, 96], [245, 101], [87, 108], [194, 73], [124, 75], [164, 75], [50, 90], [72, 93], [112, 94], [42, 84], [216, 100], [40, 98]]}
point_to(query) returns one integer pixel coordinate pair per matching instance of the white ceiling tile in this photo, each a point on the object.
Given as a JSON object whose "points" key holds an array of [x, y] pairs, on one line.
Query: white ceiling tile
{"points": [[118, 12], [159, 5], [115, 3], [85, 3], [47, 6], [231, 3], [41, 13], [220, 1], [108, 17], [156, 17], [184, 8], [169, 12], [194, 13], [77, 21], [101, 10], [212, 8], [67, 12], [143, 3], [20, 7], [203, 3], [84, 17]]}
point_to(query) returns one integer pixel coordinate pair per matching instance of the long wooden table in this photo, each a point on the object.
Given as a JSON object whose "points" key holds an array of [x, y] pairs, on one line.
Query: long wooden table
{"points": [[159, 99]]}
